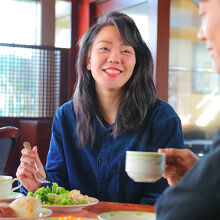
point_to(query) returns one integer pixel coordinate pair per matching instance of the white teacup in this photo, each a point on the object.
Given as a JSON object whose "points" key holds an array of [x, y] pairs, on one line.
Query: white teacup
{"points": [[6, 183], [145, 166]]}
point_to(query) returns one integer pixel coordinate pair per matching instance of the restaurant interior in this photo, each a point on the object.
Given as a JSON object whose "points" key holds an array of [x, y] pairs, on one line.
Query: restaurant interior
{"points": [[38, 48]]}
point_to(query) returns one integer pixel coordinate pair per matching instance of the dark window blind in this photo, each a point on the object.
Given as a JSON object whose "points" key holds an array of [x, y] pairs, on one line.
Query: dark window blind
{"points": [[30, 81]]}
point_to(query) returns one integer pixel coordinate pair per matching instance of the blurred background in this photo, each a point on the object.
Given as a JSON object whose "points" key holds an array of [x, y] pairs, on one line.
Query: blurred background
{"points": [[38, 47]]}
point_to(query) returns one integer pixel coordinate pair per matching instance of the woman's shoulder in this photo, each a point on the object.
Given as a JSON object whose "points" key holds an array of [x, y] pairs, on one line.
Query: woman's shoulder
{"points": [[66, 108], [164, 108], [64, 119]]}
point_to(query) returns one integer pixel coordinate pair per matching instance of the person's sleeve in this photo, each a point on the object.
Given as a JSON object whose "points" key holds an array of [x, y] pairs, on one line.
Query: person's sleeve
{"points": [[196, 195], [167, 133], [56, 169], [24, 191], [216, 141]]}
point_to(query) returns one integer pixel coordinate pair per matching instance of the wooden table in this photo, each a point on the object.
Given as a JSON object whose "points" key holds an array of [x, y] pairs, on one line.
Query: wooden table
{"points": [[94, 210]]}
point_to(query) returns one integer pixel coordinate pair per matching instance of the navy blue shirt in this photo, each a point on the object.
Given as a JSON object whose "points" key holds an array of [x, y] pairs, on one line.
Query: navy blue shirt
{"points": [[99, 171]]}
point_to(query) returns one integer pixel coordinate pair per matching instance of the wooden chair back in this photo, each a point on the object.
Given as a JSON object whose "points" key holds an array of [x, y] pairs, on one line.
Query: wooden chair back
{"points": [[9, 149]]}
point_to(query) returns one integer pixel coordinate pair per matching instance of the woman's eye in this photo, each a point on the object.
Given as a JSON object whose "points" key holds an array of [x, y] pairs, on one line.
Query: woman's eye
{"points": [[126, 51], [104, 49]]}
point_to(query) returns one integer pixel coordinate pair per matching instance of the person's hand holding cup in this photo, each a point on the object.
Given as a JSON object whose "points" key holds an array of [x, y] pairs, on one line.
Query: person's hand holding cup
{"points": [[6, 186], [145, 166]]}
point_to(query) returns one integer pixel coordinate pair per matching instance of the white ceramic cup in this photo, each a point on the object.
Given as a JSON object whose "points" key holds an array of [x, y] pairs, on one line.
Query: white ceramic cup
{"points": [[145, 166], [6, 183]]}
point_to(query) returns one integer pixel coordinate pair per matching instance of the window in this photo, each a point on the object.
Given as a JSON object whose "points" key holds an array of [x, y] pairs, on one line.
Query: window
{"points": [[63, 24], [139, 13], [20, 22], [30, 81], [31, 85], [193, 81]]}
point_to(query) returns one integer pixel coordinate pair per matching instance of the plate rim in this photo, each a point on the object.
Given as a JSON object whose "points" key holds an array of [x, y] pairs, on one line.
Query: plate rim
{"points": [[47, 210], [37, 217], [71, 206], [13, 197], [106, 214]]}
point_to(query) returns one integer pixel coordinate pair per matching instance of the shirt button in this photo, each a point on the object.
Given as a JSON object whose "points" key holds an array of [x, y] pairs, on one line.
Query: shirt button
{"points": [[100, 162]]}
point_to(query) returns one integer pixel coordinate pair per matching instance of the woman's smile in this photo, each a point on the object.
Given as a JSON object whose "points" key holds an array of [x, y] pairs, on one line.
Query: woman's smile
{"points": [[112, 71]]}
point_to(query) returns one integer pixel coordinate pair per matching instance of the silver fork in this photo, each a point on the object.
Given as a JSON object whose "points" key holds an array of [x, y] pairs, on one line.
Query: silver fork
{"points": [[38, 176]]}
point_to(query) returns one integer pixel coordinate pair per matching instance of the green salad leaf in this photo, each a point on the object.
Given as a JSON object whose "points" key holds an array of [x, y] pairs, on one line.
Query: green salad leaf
{"points": [[54, 196]]}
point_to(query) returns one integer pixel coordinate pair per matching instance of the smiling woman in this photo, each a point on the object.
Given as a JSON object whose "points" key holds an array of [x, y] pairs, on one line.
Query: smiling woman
{"points": [[114, 109]]}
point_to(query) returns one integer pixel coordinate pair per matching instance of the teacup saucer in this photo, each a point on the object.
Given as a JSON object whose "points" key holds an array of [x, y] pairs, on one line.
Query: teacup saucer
{"points": [[11, 197]]}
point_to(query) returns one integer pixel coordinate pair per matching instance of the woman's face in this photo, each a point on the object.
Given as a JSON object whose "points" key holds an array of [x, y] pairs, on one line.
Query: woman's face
{"points": [[210, 28], [111, 61]]}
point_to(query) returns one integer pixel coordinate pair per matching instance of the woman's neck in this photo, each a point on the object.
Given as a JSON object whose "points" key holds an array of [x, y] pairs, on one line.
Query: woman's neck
{"points": [[108, 105]]}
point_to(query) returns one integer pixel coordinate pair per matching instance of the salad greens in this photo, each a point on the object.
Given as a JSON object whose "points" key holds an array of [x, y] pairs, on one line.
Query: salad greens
{"points": [[54, 196]]}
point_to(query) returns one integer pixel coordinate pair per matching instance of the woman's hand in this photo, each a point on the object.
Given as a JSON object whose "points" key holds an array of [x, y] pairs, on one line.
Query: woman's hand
{"points": [[27, 169], [178, 162]]}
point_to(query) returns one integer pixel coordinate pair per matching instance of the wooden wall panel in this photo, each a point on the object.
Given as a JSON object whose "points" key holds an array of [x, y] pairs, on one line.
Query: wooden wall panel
{"points": [[162, 55], [38, 133]]}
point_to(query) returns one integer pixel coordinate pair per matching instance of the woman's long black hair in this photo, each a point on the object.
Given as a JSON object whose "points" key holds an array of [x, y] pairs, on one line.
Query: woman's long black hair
{"points": [[139, 92]]}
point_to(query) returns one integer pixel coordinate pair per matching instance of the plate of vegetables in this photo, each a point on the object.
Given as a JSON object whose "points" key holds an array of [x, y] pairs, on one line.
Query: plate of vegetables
{"points": [[58, 198]]}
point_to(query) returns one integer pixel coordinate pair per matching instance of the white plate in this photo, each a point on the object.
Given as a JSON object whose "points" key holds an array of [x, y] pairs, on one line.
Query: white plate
{"points": [[127, 215], [44, 213], [11, 197], [70, 208]]}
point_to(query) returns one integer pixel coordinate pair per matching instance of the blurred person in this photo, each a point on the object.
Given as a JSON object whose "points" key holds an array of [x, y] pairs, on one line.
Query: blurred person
{"points": [[114, 109], [195, 191]]}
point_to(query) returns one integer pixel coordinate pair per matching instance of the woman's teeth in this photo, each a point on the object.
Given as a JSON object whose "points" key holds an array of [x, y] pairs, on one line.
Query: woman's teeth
{"points": [[111, 71]]}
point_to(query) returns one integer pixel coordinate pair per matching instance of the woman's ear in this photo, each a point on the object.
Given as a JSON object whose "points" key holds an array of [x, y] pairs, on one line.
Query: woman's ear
{"points": [[88, 64]]}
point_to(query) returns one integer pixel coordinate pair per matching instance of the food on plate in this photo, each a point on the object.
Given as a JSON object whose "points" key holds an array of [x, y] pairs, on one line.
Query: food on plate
{"points": [[60, 196], [77, 197], [26, 207], [6, 211]]}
